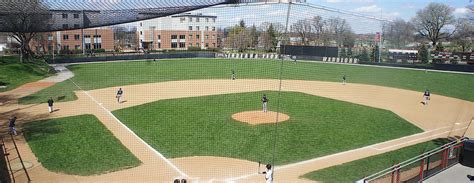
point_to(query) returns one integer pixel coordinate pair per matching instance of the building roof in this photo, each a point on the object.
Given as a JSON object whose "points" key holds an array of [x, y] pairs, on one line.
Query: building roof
{"points": [[194, 15]]}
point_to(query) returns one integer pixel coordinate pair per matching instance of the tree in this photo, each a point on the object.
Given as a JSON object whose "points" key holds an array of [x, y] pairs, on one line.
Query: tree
{"points": [[399, 33], [433, 21], [439, 47], [303, 29], [343, 54], [364, 56], [423, 53], [319, 30], [464, 35], [338, 29], [349, 52], [253, 36], [242, 24], [25, 18]]}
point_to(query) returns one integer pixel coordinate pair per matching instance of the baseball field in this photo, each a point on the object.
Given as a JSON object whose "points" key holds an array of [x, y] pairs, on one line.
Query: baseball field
{"points": [[186, 118]]}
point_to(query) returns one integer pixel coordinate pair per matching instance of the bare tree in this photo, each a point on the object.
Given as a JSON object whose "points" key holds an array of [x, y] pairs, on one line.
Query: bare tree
{"points": [[338, 28], [470, 14], [25, 18], [399, 33], [433, 22], [319, 30], [464, 35], [303, 28]]}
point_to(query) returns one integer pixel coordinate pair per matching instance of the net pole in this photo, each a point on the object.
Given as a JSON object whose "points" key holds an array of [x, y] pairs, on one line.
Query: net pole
{"points": [[275, 134]]}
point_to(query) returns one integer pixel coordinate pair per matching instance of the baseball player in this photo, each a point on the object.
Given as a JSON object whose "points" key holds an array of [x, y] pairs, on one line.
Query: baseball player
{"points": [[233, 75], [264, 101], [50, 104], [343, 79], [426, 97], [294, 59], [268, 174], [11, 125], [119, 95]]}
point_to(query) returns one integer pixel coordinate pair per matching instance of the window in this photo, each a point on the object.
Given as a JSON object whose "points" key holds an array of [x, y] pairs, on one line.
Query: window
{"points": [[214, 45], [207, 36], [207, 19], [159, 37], [77, 26], [213, 28], [198, 45], [182, 36], [190, 36], [198, 36], [182, 45], [88, 46], [190, 28], [97, 36], [141, 33], [197, 19], [50, 37], [64, 15], [50, 48], [213, 19], [174, 36], [87, 36], [77, 37], [174, 45], [66, 47], [207, 45], [65, 26], [141, 24], [65, 37], [159, 45], [76, 15], [97, 45], [190, 19], [182, 19], [197, 27], [77, 47]]}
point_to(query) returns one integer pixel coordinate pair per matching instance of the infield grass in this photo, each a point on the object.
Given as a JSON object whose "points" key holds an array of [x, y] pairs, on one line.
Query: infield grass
{"points": [[203, 126], [102, 75], [356, 170], [79, 145]]}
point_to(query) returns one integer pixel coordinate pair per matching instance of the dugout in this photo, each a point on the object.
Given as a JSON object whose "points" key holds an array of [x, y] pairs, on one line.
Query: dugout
{"points": [[309, 52]]}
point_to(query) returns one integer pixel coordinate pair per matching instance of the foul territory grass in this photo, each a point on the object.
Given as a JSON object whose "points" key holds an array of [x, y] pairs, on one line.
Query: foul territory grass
{"points": [[79, 145], [14, 74], [203, 126], [94, 76], [356, 170]]}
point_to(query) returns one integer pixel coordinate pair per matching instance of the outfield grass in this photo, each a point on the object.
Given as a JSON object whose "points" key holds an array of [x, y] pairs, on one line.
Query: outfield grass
{"points": [[15, 74], [94, 76], [79, 145], [317, 127], [356, 170]]}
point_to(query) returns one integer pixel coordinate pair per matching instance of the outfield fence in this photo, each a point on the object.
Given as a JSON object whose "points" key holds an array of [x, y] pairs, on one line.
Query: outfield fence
{"points": [[421, 167]]}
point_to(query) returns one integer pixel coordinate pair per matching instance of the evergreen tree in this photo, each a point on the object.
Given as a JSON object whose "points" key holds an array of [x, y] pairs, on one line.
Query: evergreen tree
{"points": [[272, 36], [242, 24], [343, 53], [254, 36], [364, 56], [439, 47], [423, 54], [349, 52], [374, 56]]}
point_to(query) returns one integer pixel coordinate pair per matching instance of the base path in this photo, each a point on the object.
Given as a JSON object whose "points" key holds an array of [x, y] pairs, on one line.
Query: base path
{"points": [[442, 117]]}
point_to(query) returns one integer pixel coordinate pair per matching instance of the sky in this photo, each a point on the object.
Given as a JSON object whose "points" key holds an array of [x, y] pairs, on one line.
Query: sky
{"points": [[386, 9]]}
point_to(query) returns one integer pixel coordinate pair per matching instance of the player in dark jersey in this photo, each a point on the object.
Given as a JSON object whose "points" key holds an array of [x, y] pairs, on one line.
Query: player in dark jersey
{"points": [[119, 94], [11, 125], [426, 97], [50, 105], [233, 77], [264, 101], [343, 79]]}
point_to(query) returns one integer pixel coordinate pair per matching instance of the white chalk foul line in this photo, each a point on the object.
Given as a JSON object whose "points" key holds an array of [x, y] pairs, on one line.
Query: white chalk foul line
{"points": [[133, 133], [341, 153]]}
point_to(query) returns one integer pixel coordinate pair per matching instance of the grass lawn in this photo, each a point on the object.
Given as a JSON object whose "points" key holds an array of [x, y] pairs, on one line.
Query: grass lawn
{"points": [[15, 74], [317, 127], [127, 73], [79, 145], [356, 170]]}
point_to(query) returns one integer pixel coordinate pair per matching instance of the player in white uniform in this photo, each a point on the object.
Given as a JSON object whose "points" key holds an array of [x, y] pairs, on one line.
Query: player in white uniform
{"points": [[268, 174]]}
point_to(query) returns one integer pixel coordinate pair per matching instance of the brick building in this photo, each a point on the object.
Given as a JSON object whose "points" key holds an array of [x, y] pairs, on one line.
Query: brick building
{"points": [[178, 32], [64, 41]]}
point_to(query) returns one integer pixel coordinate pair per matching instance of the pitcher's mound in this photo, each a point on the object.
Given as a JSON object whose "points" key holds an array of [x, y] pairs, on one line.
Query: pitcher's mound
{"points": [[259, 117]]}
